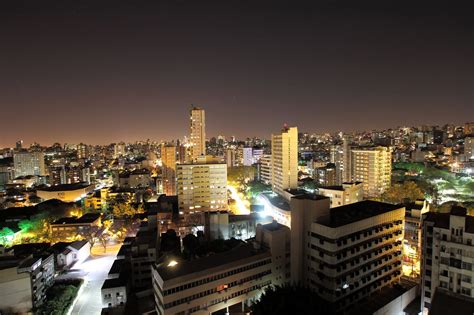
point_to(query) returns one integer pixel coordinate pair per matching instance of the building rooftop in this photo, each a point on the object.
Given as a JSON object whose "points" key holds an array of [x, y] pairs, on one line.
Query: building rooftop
{"points": [[442, 220], [354, 212], [114, 283], [379, 299], [184, 267], [445, 302], [65, 187], [87, 218]]}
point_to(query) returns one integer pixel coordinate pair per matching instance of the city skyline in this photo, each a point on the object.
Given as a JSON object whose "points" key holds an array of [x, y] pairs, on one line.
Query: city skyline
{"points": [[125, 72]]}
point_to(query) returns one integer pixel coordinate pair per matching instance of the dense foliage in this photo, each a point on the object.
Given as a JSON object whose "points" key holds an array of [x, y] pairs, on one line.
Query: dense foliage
{"points": [[59, 298]]}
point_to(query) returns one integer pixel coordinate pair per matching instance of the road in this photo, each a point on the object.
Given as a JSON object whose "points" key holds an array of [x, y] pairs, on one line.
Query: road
{"points": [[94, 272], [241, 206]]}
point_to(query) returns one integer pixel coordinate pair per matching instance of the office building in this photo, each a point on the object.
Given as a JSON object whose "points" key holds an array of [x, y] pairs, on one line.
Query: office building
{"points": [[198, 133], [29, 163], [202, 186], [344, 194], [236, 277], [346, 164], [373, 167], [345, 253], [168, 159], [447, 255], [285, 160]]}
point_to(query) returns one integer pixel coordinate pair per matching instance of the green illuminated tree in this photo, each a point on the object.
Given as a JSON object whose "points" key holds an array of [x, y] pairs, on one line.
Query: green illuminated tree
{"points": [[6, 236]]}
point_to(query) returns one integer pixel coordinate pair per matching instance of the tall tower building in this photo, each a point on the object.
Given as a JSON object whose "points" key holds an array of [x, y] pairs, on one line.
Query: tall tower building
{"points": [[346, 166], [285, 160], [168, 159], [373, 167], [198, 132], [29, 163]]}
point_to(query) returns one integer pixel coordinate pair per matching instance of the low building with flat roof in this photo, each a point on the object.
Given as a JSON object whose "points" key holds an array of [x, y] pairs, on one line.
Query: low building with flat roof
{"points": [[65, 192]]}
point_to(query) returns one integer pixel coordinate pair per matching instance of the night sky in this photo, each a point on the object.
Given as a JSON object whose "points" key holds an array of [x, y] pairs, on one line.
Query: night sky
{"points": [[84, 71]]}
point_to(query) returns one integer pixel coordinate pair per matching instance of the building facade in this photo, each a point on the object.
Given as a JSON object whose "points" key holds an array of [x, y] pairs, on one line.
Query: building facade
{"points": [[344, 194], [285, 160], [202, 186], [373, 167], [198, 133], [447, 255], [168, 159], [346, 253], [29, 163]]}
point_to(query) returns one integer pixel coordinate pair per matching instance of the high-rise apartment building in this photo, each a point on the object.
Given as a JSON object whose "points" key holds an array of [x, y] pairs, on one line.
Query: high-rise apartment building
{"points": [[373, 167], [247, 156], [346, 165], [345, 253], [285, 160], [202, 186], [29, 163], [168, 159], [198, 133], [447, 255], [265, 168]]}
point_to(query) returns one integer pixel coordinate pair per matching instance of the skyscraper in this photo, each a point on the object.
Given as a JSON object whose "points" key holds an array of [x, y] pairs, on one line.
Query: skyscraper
{"points": [[373, 167], [168, 159], [198, 133], [29, 163], [285, 160]]}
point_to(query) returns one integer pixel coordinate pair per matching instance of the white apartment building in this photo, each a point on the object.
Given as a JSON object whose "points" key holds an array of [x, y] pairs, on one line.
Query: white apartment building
{"points": [[29, 163], [202, 186], [344, 194], [448, 255], [373, 167], [285, 160], [197, 132], [345, 253], [247, 156], [266, 168]]}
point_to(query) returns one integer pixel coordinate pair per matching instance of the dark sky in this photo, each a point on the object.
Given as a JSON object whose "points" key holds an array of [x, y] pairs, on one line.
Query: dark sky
{"points": [[105, 71]]}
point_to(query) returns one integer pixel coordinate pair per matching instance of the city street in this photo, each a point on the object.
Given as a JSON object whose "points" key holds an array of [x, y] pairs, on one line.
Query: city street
{"points": [[94, 272]]}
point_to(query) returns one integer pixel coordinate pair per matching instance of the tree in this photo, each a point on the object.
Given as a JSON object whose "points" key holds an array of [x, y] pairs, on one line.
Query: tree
{"points": [[190, 244], [6, 236], [240, 173], [125, 210], [399, 193], [290, 300]]}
